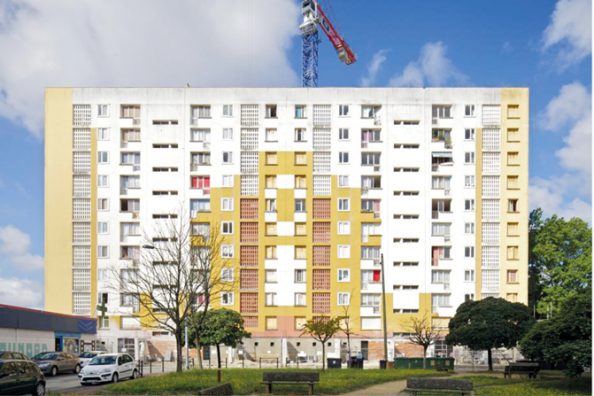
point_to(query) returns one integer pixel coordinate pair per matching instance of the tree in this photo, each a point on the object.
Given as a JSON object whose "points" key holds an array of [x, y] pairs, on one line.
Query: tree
{"points": [[560, 261], [489, 323], [346, 327], [321, 329], [566, 338], [221, 326], [422, 334], [177, 273]]}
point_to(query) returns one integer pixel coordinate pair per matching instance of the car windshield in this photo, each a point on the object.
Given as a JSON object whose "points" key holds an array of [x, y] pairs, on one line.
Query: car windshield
{"points": [[45, 356], [102, 360], [87, 355]]}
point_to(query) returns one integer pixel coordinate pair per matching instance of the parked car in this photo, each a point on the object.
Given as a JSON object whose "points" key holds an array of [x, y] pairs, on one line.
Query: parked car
{"points": [[86, 357], [19, 377], [53, 363], [6, 355], [109, 367]]}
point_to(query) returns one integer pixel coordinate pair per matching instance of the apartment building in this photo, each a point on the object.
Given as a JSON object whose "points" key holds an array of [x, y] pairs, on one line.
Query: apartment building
{"points": [[311, 188]]}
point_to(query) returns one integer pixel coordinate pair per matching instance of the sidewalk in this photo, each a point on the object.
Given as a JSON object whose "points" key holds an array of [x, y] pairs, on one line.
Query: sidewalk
{"points": [[387, 388]]}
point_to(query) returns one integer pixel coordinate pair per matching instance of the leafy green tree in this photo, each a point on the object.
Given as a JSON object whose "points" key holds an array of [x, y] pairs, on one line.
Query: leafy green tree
{"points": [[489, 323], [322, 329], [560, 261], [221, 326], [566, 338]]}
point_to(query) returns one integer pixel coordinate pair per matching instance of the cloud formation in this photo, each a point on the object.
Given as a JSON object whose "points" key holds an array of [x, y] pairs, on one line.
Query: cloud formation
{"points": [[14, 248], [23, 293], [570, 31], [139, 43], [374, 67], [432, 68]]}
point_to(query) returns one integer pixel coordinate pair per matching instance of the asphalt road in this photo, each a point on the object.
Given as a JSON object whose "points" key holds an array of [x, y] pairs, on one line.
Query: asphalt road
{"points": [[67, 383]]}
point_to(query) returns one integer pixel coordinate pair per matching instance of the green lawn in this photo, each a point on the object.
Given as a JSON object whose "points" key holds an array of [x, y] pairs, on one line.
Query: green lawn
{"points": [[549, 384], [247, 381]]}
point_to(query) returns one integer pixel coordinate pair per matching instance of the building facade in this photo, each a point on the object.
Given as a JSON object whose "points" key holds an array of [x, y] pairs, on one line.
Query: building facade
{"points": [[311, 189]]}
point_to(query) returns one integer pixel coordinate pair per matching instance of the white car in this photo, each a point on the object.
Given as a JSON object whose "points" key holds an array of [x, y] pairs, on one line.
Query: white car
{"points": [[86, 357], [108, 368]]}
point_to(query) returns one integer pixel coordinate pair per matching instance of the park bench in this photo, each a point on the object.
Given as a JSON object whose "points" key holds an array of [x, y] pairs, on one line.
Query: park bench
{"points": [[531, 369], [290, 377], [415, 385]]}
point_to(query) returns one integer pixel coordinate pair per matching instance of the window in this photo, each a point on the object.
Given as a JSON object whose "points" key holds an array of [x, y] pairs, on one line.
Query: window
{"points": [[299, 205], [227, 227], [271, 159], [512, 276], [300, 181], [370, 253], [343, 298], [512, 206], [513, 135], [513, 158], [226, 250], [271, 322], [300, 229], [102, 181], [372, 159], [343, 134], [300, 299], [270, 252], [270, 111], [343, 110], [300, 135], [513, 229], [200, 135], [469, 111], [226, 204], [469, 251], [344, 251], [344, 204], [227, 133], [300, 276], [440, 229], [102, 133], [199, 205], [102, 251], [270, 276], [344, 275], [227, 157], [102, 110], [343, 181], [343, 157], [102, 227], [227, 298], [513, 253], [469, 134], [200, 182], [227, 181], [469, 204], [271, 135], [370, 300], [469, 228], [344, 227], [441, 111], [468, 181], [440, 276], [511, 297], [513, 182], [270, 229], [227, 274], [270, 181], [469, 276], [440, 300], [469, 157], [469, 297], [227, 110], [370, 111], [103, 204], [300, 158], [513, 111], [270, 205], [300, 111], [200, 111], [300, 252]]}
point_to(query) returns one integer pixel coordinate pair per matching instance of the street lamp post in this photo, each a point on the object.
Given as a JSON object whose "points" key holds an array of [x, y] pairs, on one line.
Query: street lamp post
{"points": [[384, 312]]}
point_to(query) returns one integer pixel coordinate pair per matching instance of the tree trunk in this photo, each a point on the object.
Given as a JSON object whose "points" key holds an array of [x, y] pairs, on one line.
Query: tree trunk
{"points": [[490, 359], [425, 356], [199, 352], [323, 356], [218, 356], [178, 348], [349, 350]]}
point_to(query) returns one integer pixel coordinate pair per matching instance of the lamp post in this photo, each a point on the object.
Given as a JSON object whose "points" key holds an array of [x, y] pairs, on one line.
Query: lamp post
{"points": [[185, 320], [384, 313]]}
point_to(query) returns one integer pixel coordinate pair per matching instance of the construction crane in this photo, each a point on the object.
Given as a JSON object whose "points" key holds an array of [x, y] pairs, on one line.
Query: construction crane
{"points": [[313, 15]]}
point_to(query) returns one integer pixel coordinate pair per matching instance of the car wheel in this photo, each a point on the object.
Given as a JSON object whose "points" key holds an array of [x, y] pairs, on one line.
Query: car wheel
{"points": [[77, 369], [115, 378], [54, 371], [39, 389], [134, 374]]}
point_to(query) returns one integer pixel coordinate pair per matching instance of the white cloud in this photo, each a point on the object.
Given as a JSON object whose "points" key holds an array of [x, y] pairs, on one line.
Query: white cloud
{"points": [[374, 67], [20, 292], [139, 43], [432, 68], [14, 247], [570, 31], [572, 103], [554, 196]]}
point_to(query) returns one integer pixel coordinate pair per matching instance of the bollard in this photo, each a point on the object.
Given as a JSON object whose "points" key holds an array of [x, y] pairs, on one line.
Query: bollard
{"points": [[162, 364], [225, 362], [151, 366]]}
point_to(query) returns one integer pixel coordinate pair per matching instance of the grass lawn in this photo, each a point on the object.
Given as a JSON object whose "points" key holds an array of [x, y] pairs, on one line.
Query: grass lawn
{"points": [[247, 381]]}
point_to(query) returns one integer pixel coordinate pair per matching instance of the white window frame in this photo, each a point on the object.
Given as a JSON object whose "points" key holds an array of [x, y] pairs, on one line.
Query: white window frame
{"points": [[344, 204], [343, 110], [300, 135], [227, 110], [230, 298], [469, 158], [300, 299], [227, 133], [296, 278], [343, 157], [227, 227], [343, 134], [102, 180], [469, 110], [468, 251], [101, 207], [102, 134], [227, 274], [468, 275], [469, 181], [344, 228], [103, 157], [343, 251], [271, 135], [469, 134], [469, 228], [103, 251], [102, 110], [343, 181], [343, 298], [103, 227], [227, 181], [270, 276], [227, 158], [227, 251], [301, 208], [469, 205], [226, 204], [343, 275]]}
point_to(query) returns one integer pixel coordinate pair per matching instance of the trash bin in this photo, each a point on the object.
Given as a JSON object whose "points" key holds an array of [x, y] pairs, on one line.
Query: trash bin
{"points": [[333, 363], [382, 364], [356, 362]]}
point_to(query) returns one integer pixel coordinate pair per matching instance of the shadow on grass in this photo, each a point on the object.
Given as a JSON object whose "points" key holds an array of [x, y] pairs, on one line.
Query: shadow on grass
{"points": [[548, 385]]}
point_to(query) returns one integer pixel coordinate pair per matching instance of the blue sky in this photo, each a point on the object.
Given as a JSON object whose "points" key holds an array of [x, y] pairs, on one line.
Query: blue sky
{"points": [[542, 44]]}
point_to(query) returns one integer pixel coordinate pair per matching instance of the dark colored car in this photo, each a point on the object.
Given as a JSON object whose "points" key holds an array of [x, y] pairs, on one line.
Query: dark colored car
{"points": [[53, 363], [19, 377], [7, 355]]}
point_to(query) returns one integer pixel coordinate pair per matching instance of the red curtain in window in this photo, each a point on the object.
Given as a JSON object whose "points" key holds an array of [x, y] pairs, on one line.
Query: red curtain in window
{"points": [[376, 275], [434, 256]]}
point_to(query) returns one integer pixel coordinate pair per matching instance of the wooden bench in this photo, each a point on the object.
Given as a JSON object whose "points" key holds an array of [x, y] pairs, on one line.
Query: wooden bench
{"points": [[290, 377], [531, 369], [414, 385]]}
